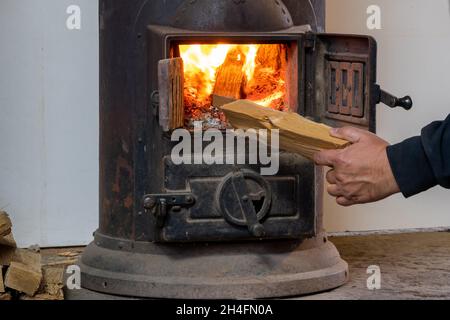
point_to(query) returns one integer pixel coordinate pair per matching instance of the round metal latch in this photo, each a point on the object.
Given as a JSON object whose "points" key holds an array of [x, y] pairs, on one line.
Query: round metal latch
{"points": [[244, 199]]}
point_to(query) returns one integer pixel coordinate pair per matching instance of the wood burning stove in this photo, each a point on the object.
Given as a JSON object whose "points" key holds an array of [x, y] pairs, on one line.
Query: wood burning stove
{"points": [[220, 230]]}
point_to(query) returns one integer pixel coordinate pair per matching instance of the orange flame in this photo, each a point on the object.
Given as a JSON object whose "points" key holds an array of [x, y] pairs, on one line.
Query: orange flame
{"points": [[263, 69]]}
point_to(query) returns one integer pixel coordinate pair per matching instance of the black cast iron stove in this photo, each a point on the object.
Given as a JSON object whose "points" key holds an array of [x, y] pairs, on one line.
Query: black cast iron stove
{"points": [[175, 231]]}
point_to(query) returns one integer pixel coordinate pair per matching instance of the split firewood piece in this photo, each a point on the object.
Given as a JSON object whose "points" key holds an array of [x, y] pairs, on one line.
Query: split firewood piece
{"points": [[297, 134], [52, 282], [171, 93], [28, 257], [5, 224], [7, 250], [24, 273], [230, 77], [42, 297], [218, 101], [23, 278], [62, 262], [8, 241], [6, 255], [51, 287], [70, 254], [2, 284], [5, 297]]}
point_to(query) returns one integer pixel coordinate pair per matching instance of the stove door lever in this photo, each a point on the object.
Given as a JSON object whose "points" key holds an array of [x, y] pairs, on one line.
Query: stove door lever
{"points": [[392, 101], [244, 199]]}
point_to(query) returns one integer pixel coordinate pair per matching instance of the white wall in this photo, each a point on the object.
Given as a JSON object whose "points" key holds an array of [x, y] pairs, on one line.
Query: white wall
{"points": [[49, 113], [413, 50], [49, 121]]}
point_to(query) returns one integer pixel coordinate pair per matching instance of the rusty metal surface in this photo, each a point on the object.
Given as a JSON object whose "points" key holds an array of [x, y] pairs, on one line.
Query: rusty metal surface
{"points": [[345, 90], [290, 213], [233, 15], [213, 271], [337, 97], [310, 12]]}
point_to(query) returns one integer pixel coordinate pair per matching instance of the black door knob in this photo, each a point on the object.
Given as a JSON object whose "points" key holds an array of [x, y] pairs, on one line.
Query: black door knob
{"points": [[392, 101]]}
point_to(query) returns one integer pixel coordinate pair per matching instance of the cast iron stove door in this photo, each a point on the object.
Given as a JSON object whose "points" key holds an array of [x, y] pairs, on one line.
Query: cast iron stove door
{"points": [[345, 92]]}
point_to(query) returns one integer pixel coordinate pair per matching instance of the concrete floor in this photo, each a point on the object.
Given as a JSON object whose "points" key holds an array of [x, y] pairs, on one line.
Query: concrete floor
{"points": [[413, 266]]}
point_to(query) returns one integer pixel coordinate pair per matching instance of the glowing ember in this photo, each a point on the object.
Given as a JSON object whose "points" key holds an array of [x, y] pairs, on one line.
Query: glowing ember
{"points": [[254, 72]]}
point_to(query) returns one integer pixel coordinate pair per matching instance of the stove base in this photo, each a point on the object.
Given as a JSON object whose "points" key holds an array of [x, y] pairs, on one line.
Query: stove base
{"points": [[212, 271]]}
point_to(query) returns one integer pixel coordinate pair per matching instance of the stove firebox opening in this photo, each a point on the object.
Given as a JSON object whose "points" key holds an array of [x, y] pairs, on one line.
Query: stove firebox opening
{"points": [[216, 74]]}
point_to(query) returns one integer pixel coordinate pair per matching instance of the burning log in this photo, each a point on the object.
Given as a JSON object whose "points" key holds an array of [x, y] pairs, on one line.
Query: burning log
{"points": [[270, 56], [267, 86], [297, 134], [230, 78], [219, 74]]}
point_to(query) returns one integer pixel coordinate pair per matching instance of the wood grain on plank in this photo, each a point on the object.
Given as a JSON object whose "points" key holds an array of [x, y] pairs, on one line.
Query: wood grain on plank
{"points": [[297, 134], [2, 284], [171, 93], [23, 278]]}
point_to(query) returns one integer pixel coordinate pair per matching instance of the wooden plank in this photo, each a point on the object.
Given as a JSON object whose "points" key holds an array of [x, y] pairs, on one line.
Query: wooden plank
{"points": [[171, 93], [5, 224], [297, 134], [23, 278]]}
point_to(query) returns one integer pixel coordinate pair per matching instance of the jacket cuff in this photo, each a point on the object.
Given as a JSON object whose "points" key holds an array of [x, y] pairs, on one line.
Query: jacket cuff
{"points": [[411, 167]]}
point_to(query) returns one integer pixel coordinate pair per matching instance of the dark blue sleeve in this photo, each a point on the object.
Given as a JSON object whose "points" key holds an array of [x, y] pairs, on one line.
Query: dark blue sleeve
{"points": [[421, 163]]}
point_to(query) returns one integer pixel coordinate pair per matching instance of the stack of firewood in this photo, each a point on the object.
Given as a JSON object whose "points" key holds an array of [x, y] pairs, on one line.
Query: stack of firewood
{"points": [[22, 273]]}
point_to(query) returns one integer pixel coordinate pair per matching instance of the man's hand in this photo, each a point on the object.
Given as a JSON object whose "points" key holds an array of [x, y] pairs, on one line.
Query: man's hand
{"points": [[360, 173]]}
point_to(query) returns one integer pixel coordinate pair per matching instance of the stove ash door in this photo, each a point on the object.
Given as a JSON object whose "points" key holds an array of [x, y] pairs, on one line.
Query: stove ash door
{"points": [[343, 91], [234, 202]]}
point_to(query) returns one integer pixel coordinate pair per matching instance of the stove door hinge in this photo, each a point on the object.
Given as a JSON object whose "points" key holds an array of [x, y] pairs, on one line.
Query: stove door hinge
{"points": [[160, 205], [154, 101], [310, 40]]}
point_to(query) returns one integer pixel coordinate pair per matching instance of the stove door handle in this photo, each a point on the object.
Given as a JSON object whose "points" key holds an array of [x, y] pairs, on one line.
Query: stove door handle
{"points": [[392, 101]]}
